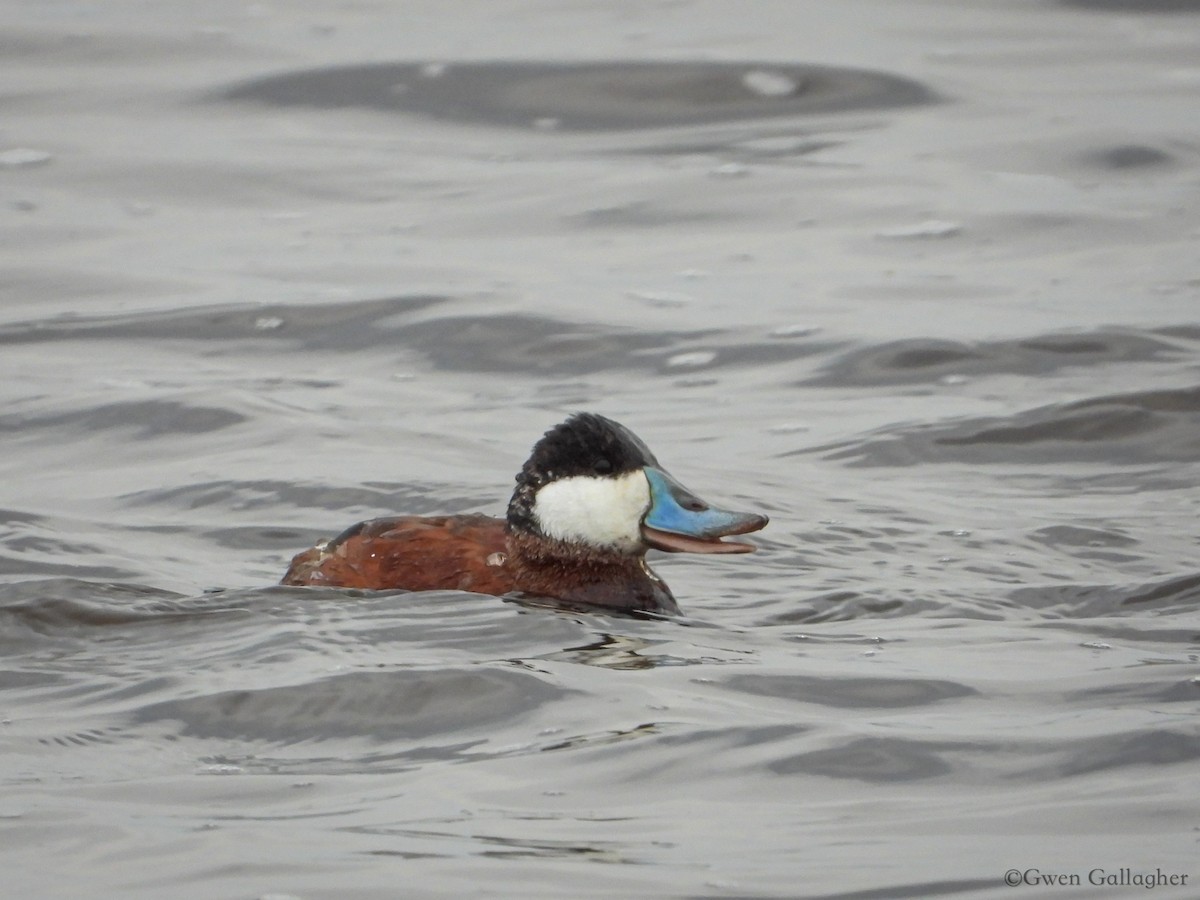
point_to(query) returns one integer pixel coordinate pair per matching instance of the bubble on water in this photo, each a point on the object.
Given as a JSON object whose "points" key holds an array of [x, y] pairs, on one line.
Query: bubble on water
{"points": [[770, 84], [930, 228], [220, 769], [692, 360]]}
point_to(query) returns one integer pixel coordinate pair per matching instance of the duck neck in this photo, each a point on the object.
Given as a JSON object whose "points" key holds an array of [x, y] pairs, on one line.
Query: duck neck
{"points": [[604, 578]]}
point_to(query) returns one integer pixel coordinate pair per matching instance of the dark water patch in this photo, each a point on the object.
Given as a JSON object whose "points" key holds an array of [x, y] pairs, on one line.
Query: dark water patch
{"points": [[1128, 156], [599, 96], [70, 606], [264, 537], [48, 48], [20, 680], [731, 737], [1115, 483], [1134, 693], [497, 846], [601, 738], [1177, 594], [1078, 536], [381, 706], [35, 546], [502, 344], [848, 605], [879, 760], [962, 887], [1121, 429], [528, 344], [1131, 632], [1182, 332], [738, 148], [1104, 544], [1135, 6], [1150, 747], [926, 361], [336, 326], [851, 693], [146, 418], [22, 567], [265, 494]]}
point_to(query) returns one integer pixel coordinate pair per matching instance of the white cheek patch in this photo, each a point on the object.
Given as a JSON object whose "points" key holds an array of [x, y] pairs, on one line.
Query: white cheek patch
{"points": [[600, 512]]}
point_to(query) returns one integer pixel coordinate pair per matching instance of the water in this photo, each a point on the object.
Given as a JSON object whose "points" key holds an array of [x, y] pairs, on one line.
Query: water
{"points": [[933, 307]]}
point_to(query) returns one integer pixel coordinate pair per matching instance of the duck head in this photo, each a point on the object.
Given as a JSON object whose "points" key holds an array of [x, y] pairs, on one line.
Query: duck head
{"points": [[592, 482]]}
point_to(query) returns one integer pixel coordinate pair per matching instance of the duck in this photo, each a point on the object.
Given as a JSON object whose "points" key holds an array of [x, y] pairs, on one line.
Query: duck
{"points": [[589, 503]]}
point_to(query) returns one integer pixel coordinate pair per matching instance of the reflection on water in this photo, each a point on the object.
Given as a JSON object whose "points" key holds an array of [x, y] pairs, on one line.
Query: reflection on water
{"points": [[589, 96]]}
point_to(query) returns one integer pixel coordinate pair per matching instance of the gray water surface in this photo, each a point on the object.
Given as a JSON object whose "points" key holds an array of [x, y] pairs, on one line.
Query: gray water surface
{"points": [[919, 279]]}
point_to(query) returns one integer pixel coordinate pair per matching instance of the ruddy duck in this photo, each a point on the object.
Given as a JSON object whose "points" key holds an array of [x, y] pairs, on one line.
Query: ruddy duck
{"points": [[589, 503]]}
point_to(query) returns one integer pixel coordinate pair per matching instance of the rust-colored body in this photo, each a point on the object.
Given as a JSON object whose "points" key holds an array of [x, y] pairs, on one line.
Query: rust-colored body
{"points": [[478, 554]]}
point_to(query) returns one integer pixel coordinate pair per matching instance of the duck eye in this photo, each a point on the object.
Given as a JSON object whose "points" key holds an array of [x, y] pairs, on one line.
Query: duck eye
{"points": [[602, 466]]}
